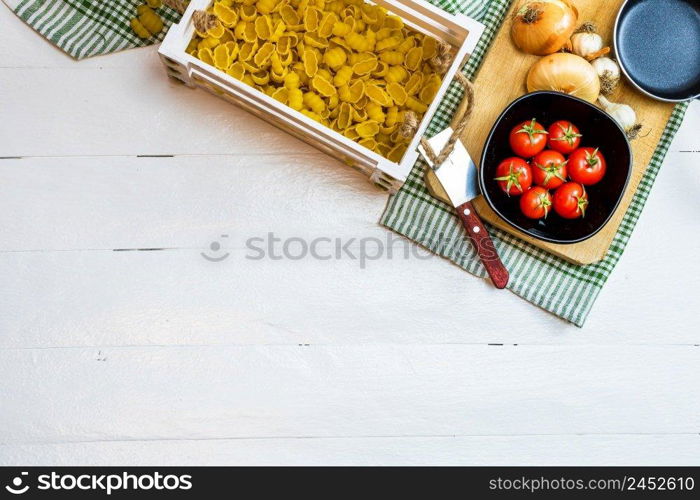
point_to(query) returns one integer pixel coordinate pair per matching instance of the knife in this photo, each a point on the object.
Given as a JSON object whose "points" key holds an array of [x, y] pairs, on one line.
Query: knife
{"points": [[459, 178]]}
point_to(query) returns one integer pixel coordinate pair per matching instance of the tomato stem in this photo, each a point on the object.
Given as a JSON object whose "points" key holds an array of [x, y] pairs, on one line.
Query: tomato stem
{"points": [[569, 135], [513, 178], [592, 158], [530, 130], [545, 203], [551, 170]]}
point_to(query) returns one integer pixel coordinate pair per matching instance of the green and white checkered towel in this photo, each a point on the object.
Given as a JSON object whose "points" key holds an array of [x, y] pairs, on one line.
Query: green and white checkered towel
{"points": [[564, 289], [84, 28]]}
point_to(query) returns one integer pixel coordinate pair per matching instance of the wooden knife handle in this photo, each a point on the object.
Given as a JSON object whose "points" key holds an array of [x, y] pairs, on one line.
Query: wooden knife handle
{"points": [[483, 244]]}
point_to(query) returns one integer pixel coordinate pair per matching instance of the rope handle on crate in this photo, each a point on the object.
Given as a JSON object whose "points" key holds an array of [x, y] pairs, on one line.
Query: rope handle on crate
{"points": [[461, 124]]}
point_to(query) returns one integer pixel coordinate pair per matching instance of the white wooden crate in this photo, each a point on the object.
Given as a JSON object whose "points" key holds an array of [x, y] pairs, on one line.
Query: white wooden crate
{"points": [[460, 31]]}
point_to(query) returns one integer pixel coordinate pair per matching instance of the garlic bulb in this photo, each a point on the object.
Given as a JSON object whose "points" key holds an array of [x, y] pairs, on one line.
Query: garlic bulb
{"points": [[622, 114], [585, 44], [608, 72]]}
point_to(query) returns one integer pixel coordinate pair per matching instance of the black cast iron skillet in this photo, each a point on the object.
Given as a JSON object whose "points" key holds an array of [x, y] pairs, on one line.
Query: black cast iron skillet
{"points": [[657, 43]]}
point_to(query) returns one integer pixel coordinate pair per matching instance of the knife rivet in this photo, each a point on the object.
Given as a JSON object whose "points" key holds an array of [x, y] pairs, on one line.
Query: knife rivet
{"points": [[467, 211], [476, 229]]}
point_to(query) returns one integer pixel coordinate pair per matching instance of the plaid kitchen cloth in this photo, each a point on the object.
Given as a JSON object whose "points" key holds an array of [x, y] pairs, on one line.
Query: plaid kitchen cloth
{"points": [[85, 28], [564, 289]]}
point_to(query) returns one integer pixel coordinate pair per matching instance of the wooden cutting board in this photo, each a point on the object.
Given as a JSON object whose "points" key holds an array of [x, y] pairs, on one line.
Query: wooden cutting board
{"points": [[502, 79]]}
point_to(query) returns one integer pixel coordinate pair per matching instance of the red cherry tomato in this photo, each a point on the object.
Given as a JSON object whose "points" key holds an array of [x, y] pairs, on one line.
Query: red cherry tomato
{"points": [[549, 169], [564, 137], [570, 200], [514, 176], [528, 138], [535, 203], [587, 166]]}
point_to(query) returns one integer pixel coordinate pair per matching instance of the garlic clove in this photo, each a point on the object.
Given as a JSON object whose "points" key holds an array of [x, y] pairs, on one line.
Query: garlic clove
{"points": [[622, 114], [585, 44], [609, 73]]}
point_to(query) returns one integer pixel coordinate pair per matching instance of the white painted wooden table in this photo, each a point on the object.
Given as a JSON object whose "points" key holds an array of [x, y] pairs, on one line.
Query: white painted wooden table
{"points": [[161, 357]]}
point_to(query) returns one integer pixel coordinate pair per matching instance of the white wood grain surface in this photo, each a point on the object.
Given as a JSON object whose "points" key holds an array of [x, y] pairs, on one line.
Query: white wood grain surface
{"points": [[112, 355]]}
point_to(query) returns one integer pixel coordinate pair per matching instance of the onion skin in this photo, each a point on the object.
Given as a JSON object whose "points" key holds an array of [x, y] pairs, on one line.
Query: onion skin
{"points": [[542, 27], [567, 73]]}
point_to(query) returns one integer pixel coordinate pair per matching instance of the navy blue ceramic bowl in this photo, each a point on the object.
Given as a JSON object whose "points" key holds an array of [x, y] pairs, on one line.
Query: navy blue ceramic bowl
{"points": [[598, 129]]}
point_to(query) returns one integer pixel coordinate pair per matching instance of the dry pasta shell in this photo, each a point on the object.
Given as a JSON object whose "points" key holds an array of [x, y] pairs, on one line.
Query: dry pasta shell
{"points": [[407, 44], [236, 70], [341, 42], [397, 152], [310, 62], [205, 55], [341, 29], [233, 49], [208, 43], [249, 33], [397, 93], [263, 27], [388, 43], [314, 40], [367, 129], [359, 114], [392, 57], [311, 17], [286, 59], [226, 15], [296, 99], [278, 77], [221, 57], [250, 67], [278, 31], [325, 27], [381, 69], [342, 76], [323, 86], [335, 57], [393, 22], [216, 31], [266, 6], [415, 105], [261, 77], [350, 133], [248, 12], [333, 102], [377, 94], [263, 55], [289, 15], [352, 93], [369, 143], [247, 51], [369, 14], [414, 83], [429, 48], [414, 57], [365, 67], [227, 36], [427, 94], [344, 116], [396, 74]]}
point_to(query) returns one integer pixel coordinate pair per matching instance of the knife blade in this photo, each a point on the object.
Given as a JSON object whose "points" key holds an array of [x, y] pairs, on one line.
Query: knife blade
{"points": [[459, 176]]}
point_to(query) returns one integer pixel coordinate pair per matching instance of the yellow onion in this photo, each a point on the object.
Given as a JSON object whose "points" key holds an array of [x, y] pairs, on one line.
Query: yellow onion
{"points": [[566, 73], [543, 27]]}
